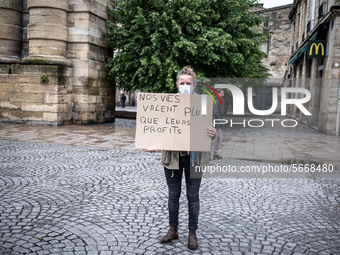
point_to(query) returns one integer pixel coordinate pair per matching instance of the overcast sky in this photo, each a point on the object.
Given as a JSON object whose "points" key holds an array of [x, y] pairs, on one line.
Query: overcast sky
{"points": [[274, 3]]}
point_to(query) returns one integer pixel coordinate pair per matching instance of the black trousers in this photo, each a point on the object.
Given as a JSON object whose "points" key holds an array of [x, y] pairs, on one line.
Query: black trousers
{"points": [[174, 182]]}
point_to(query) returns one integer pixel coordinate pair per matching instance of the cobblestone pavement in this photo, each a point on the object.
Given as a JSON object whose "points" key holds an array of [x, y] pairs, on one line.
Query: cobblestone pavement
{"points": [[63, 199]]}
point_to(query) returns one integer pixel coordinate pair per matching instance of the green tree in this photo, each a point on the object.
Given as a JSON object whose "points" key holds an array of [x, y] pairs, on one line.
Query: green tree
{"points": [[154, 39]]}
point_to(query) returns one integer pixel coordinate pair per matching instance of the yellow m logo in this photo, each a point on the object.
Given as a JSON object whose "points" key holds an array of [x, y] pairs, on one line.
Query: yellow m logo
{"points": [[316, 49]]}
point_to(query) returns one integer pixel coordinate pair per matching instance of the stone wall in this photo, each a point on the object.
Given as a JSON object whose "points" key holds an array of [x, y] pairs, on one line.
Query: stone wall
{"points": [[63, 40], [11, 30], [94, 95], [330, 98], [26, 98], [279, 43]]}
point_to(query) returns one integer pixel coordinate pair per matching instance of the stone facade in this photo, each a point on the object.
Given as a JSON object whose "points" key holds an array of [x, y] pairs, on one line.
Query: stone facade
{"points": [[25, 98], [277, 47], [317, 20], [60, 40], [11, 35]]}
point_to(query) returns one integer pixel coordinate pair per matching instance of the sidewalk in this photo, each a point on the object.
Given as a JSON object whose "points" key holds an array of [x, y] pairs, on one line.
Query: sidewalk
{"points": [[128, 112], [126, 108], [118, 135], [300, 144]]}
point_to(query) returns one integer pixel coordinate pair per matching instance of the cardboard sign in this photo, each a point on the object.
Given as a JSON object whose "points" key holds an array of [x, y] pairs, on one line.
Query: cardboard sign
{"points": [[173, 122]]}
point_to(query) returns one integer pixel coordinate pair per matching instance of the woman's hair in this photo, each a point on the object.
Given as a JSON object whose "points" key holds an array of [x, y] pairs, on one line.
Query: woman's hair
{"points": [[187, 70]]}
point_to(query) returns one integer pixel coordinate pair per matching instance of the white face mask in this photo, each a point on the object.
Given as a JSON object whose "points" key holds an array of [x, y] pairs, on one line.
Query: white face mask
{"points": [[185, 89]]}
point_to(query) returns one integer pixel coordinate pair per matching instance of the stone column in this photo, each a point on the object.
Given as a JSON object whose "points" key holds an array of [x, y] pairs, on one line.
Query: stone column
{"points": [[11, 31], [47, 32]]}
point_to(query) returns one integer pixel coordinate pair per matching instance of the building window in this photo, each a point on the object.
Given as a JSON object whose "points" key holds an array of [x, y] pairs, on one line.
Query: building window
{"points": [[322, 10], [266, 23], [309, 25], [265, 47]]}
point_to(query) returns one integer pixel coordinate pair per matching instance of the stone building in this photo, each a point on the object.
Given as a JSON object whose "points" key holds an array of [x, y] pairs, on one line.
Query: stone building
{"points": [[52, 62], [315, 60], [277, 49]]}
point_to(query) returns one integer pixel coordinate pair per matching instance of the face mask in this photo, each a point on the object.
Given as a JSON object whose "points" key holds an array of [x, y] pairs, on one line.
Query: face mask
{"points": [[185, 89]]}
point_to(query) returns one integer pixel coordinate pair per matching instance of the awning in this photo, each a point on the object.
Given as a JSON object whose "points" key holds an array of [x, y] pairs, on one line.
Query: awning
{"points": [[304, 49]]}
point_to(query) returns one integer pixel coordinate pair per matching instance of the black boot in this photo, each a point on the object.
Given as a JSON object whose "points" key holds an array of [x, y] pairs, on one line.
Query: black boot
{"points": [[192, 240], [171, 235]]}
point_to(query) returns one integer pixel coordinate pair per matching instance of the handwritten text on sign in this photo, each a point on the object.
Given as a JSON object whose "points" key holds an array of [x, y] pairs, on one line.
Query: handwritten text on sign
{"points": [[164, 121]]}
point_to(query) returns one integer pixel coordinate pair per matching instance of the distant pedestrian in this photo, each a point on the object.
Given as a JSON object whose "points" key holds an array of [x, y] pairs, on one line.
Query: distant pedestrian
{"points": [[133, 102], [122, 99], [218, 112]]}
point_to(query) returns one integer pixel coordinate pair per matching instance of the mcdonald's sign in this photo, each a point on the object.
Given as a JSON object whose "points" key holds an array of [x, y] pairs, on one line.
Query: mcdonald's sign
{"points": [[316, 49]]}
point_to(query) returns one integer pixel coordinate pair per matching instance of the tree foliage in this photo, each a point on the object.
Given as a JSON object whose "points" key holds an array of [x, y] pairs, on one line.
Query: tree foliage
{"points": [[153, 39]]}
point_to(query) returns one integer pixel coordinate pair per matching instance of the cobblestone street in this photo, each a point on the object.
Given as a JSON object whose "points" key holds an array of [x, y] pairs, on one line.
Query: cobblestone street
{"points": [[59, 198]]}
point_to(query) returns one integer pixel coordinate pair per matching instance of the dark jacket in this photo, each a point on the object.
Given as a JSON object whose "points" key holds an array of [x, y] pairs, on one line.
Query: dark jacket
{"points": [[170, 159], [218, 111]]}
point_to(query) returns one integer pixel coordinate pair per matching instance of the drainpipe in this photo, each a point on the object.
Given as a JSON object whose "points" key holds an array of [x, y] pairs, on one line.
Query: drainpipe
{"points": [[338, 114], [312, 15]]}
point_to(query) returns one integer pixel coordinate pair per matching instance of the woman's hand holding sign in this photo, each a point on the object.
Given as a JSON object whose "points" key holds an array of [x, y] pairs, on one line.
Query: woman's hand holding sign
{"points": [[211, 131], [150, 149]]}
